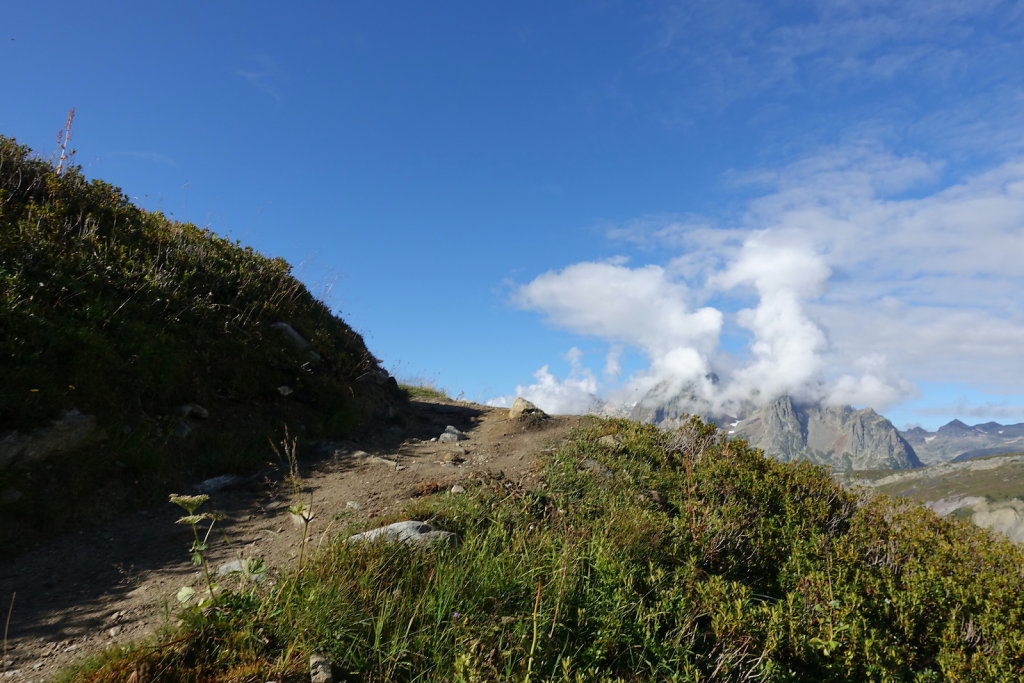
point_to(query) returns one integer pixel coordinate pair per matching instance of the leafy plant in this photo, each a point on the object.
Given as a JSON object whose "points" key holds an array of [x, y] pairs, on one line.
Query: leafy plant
{"points": [[190, 504]]}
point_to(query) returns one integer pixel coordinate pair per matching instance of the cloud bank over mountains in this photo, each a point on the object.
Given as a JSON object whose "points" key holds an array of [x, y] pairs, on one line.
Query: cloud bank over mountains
{"points": [[847, 277]]}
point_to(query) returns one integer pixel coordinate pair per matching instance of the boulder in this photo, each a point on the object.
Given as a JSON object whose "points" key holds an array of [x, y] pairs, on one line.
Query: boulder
{"points": [[522, 409], [67, 433], [296, 339]]}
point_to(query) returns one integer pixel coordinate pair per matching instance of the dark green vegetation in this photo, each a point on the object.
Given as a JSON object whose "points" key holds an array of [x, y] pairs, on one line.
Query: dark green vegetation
{"points": [[127, 316], [674, 556]]}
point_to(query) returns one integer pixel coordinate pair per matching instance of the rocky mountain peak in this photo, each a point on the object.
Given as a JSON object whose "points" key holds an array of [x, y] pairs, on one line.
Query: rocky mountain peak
{"points": [[955, 428], [837, 436], [840, 437]]}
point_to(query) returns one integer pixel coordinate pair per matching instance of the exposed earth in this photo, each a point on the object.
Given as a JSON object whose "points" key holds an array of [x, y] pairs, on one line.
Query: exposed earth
{"points": [[84, 592]]}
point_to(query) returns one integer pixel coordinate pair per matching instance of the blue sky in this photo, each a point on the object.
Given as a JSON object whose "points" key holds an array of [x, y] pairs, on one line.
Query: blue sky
{"points": [[559, 199]]}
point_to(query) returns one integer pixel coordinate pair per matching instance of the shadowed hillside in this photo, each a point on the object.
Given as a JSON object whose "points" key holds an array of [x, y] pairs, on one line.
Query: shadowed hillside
{"points": [[140, 353]]}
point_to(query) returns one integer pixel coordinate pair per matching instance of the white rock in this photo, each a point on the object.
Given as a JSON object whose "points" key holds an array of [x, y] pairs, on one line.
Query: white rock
{"points": [[451, 435], [220, 483], [412, 532]]}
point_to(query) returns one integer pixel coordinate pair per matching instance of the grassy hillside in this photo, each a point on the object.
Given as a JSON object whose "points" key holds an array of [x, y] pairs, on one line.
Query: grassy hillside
{"points": [[644, 555], [128, 317], [995, 477]]}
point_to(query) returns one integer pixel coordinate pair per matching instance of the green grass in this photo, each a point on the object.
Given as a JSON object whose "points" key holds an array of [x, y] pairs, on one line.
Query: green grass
{"points": [[423, 391], [737, 568]]}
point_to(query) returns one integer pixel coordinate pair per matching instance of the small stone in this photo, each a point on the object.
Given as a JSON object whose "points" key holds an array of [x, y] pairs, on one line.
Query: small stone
{"points": [[597, 468], [285, 390], [320, 669], [242, 567], [114, 630], [458, 489], [658, 498], [192, 410], [198, 411], [451, 435], [215, 484], [355, 505]]}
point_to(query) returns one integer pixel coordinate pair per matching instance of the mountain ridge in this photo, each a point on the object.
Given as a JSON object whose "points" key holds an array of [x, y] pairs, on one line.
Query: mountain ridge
{"points": [[956, 440], [840, 437]]}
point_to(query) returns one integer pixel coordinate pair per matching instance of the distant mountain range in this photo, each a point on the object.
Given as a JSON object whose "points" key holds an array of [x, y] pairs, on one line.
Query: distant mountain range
{"points": [[956, 441], [837, 436], [840, 437]]}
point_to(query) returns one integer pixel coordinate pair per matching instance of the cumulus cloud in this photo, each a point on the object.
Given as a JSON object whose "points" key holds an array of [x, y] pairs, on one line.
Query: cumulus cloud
{"points": [[873, 384], [852, 275], [574, 395], [613, 361], [642, 307]]}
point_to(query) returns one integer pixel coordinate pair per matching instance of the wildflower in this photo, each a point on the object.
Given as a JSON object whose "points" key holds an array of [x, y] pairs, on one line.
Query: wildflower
{"points": [[192, 520], [188, 503]]}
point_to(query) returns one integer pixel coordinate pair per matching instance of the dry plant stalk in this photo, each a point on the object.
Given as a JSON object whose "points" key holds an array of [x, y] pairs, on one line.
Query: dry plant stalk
{"points": [[63, 138]]}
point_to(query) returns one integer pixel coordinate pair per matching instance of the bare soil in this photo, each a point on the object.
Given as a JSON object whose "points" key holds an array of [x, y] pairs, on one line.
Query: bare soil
{"points": [[87, 591]]}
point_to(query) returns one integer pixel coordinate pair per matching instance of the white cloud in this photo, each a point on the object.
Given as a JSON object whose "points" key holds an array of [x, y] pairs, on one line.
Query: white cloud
{"points": [[613, 361], [574, 395], [856, 272], [642, 307], [875, 385], [264, 75]]}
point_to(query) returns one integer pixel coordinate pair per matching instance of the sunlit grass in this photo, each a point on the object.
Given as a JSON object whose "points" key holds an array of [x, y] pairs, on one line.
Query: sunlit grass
{"points": [[698, 560]]}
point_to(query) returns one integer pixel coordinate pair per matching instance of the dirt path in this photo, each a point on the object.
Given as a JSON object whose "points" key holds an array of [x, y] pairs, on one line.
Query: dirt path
{"points": [[87, 591]]}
